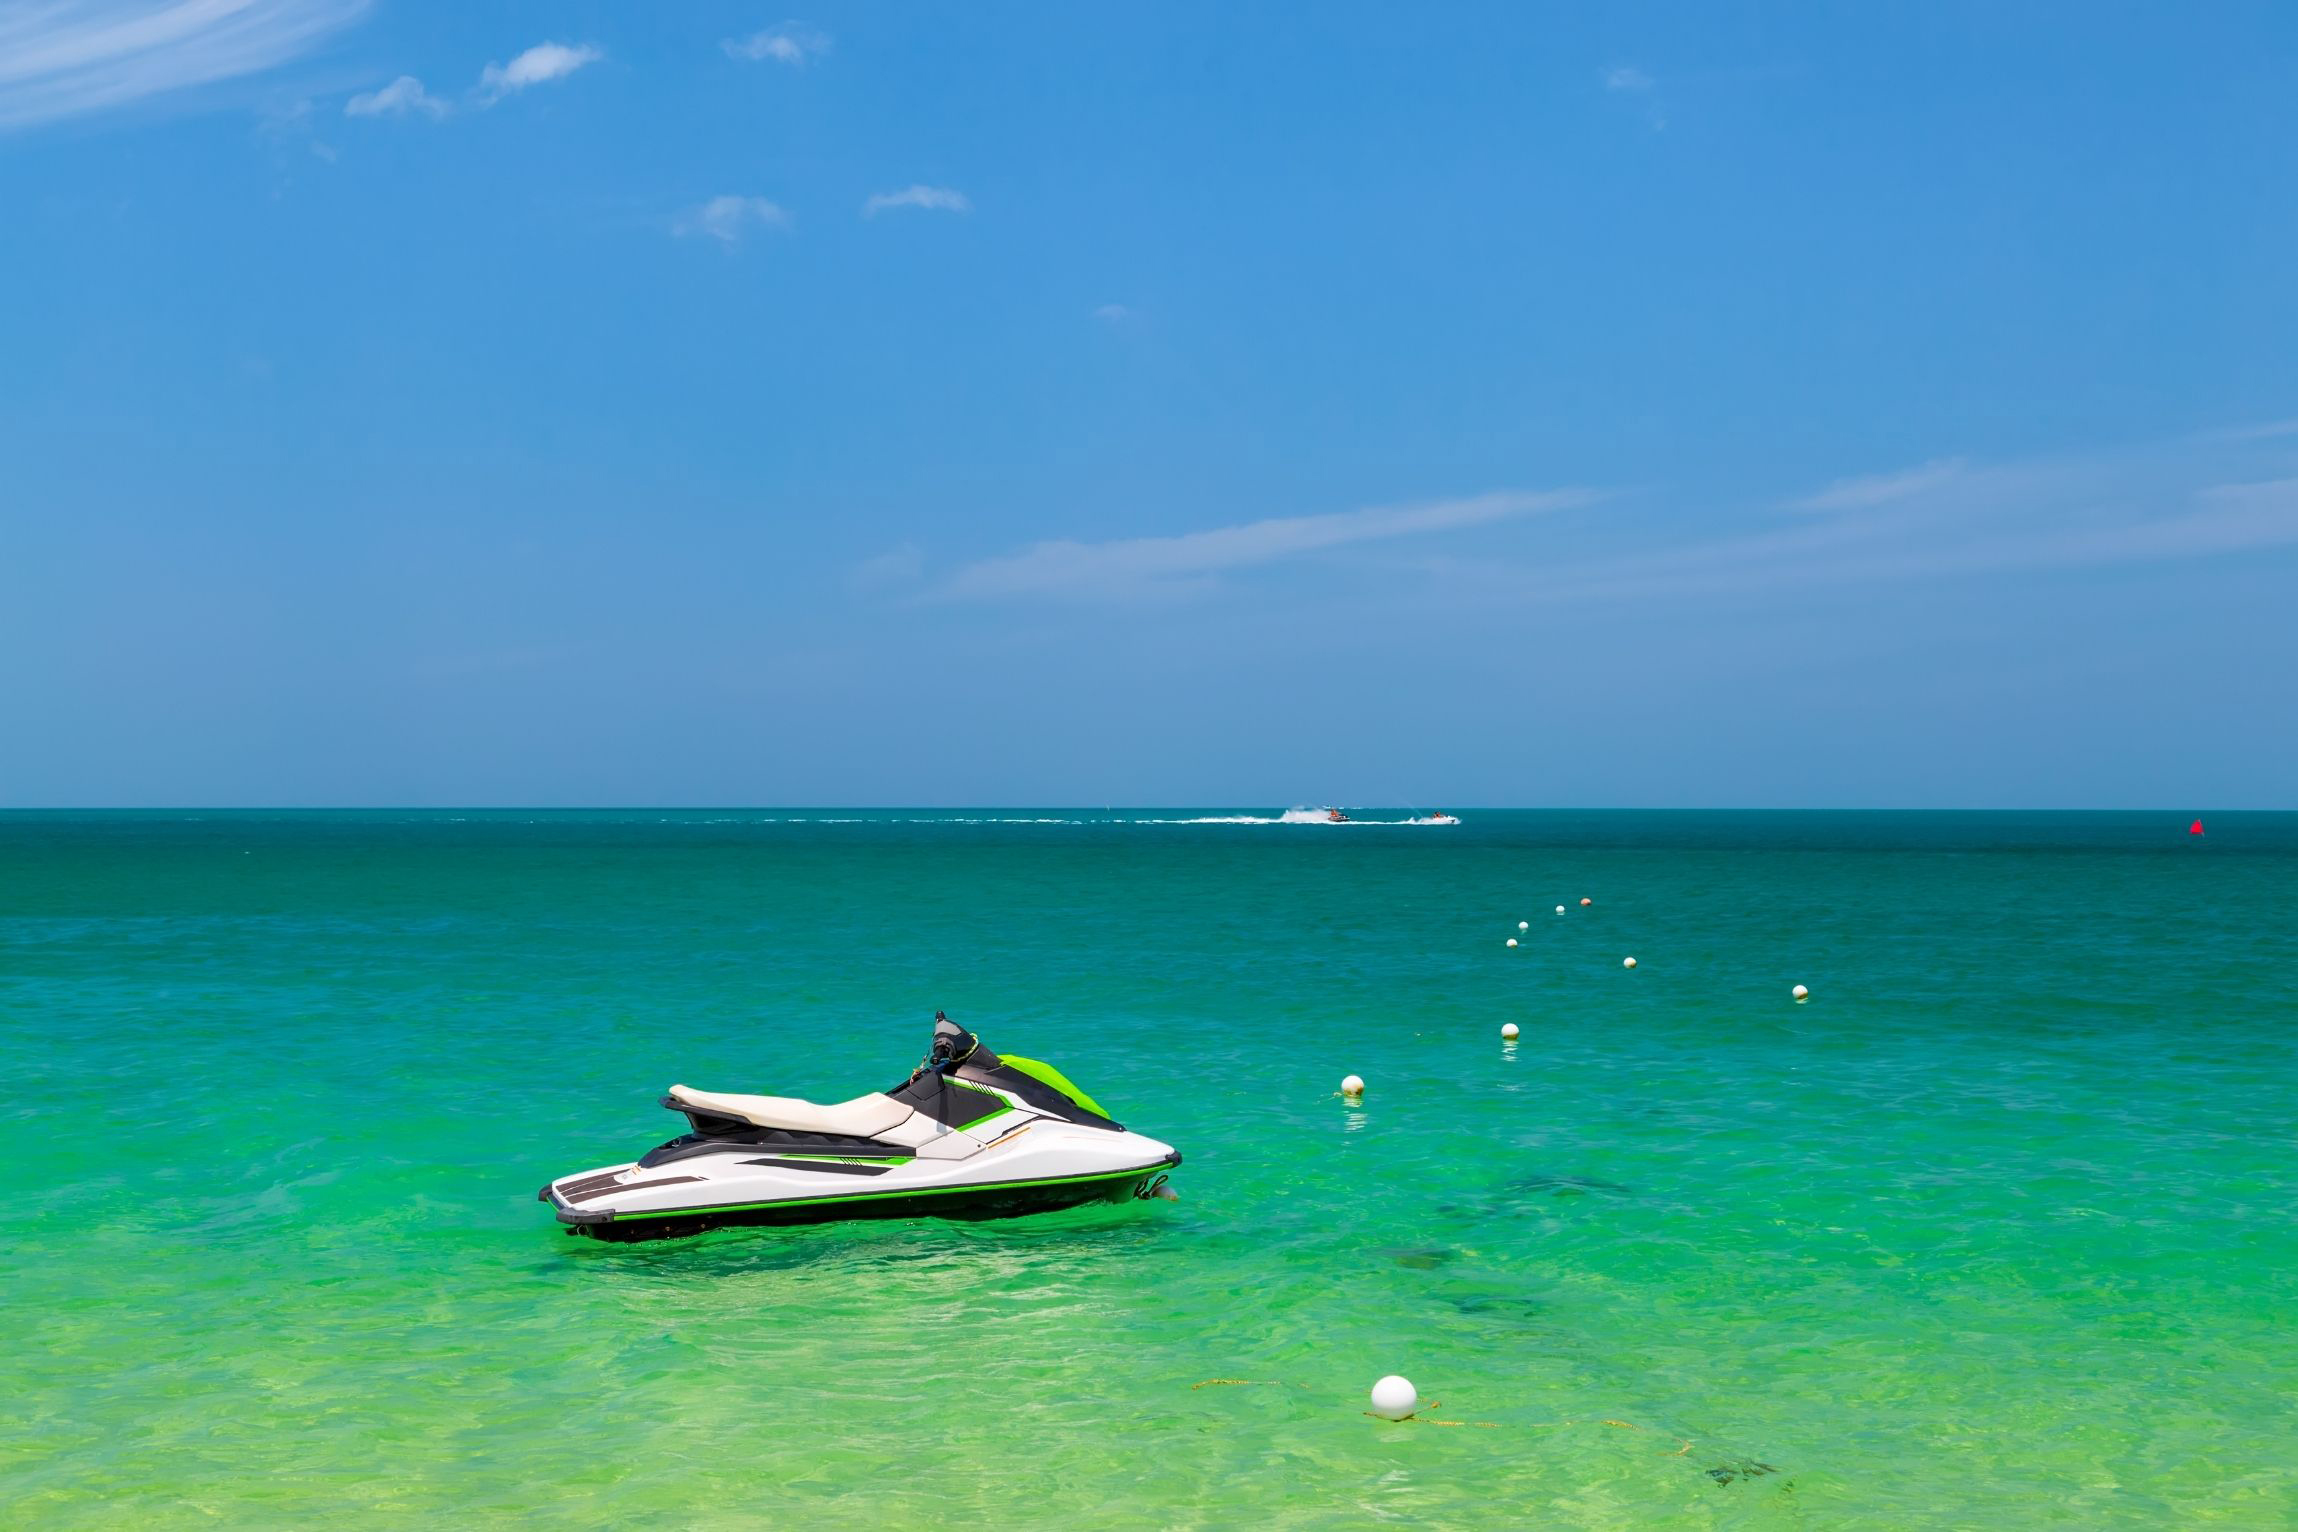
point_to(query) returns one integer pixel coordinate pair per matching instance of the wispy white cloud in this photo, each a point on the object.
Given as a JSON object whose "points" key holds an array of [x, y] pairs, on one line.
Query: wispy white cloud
{"points": [[934, 198], [2225, 518], [406, 96], [1113, 313], [397, 99], [539, 65], [67, 58], [1153, 565], [1882, 488], [2260, 431], [1636, 85], [898, 567], [290, 120], [2150, 504], [727, 219], [793, 43]]}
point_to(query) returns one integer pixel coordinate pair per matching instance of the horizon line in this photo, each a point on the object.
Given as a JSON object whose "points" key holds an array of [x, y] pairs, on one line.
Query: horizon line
{"points": [[1104, 808]]}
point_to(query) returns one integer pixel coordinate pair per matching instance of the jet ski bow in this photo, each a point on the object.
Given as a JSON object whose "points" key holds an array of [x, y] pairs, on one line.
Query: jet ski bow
{"points": [[969, 1134]]}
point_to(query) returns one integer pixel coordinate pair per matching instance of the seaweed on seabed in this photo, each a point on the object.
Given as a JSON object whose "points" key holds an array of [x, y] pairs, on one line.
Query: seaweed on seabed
{"points": [[1517, 1196], [1500, 1306], [1726, 1473], [1567, 1186], [1745, 1468]]}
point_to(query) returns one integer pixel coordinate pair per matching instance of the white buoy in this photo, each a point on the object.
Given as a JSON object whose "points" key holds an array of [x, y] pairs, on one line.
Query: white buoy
{"points": [[1523, 925], [1559, 909], [1511, 941], [1801, 993], [1627, 962], [1508, 1030], [1394, 1398], [1353, 1086], [1586, 902]]}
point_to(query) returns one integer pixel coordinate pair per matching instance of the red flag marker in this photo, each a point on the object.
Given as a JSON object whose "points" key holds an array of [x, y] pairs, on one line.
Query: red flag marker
{"points": [[2194, 828]]}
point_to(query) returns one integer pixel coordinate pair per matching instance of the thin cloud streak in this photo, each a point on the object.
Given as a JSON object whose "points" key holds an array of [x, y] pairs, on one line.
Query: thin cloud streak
{"points": [[1159, 565], [1882, 488], [402, 96], [900, 566], [74, 57], [2230, 518], [940, 199], [1627, 80], [2263, 431], [2154, 505], [792, 43], [727, 219]]}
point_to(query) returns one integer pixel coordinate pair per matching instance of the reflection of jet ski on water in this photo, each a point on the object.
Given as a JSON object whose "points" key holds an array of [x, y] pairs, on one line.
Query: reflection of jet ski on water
{"points": [[969, 1134]]}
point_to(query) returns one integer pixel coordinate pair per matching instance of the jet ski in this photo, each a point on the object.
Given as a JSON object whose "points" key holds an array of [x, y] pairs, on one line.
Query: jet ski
{"points": [[970, 1134]]}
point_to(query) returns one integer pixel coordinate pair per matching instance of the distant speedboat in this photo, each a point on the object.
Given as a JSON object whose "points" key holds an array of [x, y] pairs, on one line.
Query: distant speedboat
{"points": [[1434, 817], [1335, 816]]}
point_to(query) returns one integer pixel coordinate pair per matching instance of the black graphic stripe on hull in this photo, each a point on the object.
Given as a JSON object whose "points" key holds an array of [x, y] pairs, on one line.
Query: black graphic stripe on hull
{"points": [[832, 1167], [993, 1202]]}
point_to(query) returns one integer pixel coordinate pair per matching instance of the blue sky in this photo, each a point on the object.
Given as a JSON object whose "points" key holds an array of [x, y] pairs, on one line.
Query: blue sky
{"points": [[1701, 405]]}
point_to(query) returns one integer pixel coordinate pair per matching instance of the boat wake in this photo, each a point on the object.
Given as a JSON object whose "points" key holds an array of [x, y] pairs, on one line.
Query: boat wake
{"points": [[1302, 816], [1293, 816]]}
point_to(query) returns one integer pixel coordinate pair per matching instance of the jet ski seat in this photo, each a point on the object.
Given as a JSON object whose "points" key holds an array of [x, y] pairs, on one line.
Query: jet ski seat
{"points": [[862, 1117]]}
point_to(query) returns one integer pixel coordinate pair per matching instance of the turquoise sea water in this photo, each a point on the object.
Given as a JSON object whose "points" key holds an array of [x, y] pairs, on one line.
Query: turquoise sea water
{"points": [[1995, 1231]]}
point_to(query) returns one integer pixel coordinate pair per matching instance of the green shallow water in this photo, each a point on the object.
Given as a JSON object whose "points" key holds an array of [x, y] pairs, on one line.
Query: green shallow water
{"points": [[1996, 1231]]}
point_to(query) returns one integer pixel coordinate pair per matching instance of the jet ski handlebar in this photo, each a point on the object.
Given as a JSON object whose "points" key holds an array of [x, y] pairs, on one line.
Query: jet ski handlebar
{"points": [[953, 1045]]}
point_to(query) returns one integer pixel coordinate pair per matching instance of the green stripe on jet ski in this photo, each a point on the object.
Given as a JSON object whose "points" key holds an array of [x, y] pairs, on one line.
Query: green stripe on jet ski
{"points": [[918, 1191], [1046, 1074]]}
